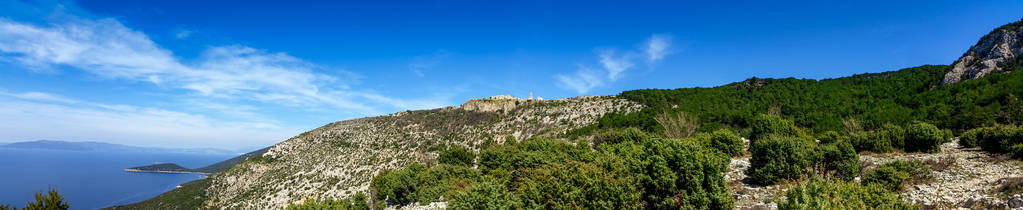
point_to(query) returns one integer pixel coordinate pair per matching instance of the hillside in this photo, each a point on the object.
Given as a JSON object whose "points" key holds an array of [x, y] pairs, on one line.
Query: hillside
{"points": [[339, 159], [820, 136]]}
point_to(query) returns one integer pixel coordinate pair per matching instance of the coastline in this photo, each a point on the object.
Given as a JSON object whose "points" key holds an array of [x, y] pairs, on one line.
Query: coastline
{"points": [[166, 172]]}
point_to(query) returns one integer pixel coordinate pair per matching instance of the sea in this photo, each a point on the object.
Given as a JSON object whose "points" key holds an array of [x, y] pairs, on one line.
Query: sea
{"points": [[90, 179]]}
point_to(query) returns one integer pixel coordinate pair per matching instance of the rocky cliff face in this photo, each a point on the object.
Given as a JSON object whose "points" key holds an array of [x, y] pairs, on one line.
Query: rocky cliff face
{"points": [[338, 160], [995, 52]]}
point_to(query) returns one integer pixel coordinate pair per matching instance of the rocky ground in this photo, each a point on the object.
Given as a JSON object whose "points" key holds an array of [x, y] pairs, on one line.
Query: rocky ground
{"points": [[961, 178]]}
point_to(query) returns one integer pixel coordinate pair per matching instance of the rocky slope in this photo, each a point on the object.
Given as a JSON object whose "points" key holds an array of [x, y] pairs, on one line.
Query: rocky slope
{"points": [[994, 53], [338, 160], [961, 178]]}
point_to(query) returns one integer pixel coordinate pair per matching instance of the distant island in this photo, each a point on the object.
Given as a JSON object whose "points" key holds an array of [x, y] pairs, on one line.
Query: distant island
{"points": [[104, 147], [212, 168]]}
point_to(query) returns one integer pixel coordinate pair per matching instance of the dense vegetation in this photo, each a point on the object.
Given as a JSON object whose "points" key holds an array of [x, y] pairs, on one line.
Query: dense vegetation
{"points": [[784, 153], [189, 196], [996, 139], [819, 193], [51, 200], [626, 169], [869, 101], [358, 202]]}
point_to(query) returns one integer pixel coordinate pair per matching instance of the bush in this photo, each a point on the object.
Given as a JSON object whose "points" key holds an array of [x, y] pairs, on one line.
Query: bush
{"points": [[397, 186], [776, 158], [442, 181], [683, 168], [969, 139], [999, 139], [894, 134], [1016, 151], [727, 142], [358, 202], [575, 185], [509, 140], [485, 195], [923, 137], [766, 125], [618, 136], [457, 155], [871, 141], [829, 137], [840, 160], [819, 193], [896, 174]]}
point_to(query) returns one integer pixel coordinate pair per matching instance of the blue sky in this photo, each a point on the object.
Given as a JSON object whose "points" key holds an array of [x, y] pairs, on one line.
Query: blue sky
{"points": [[244, 74]]}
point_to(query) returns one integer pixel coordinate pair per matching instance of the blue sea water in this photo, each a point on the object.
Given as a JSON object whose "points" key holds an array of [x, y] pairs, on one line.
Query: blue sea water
{"points": [[90, 180]]}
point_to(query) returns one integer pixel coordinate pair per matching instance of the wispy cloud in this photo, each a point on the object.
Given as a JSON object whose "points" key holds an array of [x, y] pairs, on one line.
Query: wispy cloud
{"points": [[657, 47], [39, 96], [581, 81], [107, 48], [614, 65], [425, 62], [182, 34]]}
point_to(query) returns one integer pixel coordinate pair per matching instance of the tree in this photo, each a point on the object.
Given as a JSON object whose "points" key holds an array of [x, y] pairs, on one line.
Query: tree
{"points": [[48, 201]]}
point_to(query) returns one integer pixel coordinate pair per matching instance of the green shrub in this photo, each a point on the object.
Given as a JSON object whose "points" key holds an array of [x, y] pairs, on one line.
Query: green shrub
{"points": [[819, 193], [621, 135], [509, 140], [1016, 151], [675, 168], [829, 137], [871, 141], [728, 142], [923, 137], [766, 125], [947, 135], [776, 158], [457, 155], [839, 159], [442, 181], [358, 202], [575, 185], [397, 186], [485, 195], [999, 139], [969, 138], [892, 133], [896, 174]]}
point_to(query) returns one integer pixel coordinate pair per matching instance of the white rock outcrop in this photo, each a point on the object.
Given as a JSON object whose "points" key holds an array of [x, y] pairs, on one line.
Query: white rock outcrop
{"points": [[990, 55]]}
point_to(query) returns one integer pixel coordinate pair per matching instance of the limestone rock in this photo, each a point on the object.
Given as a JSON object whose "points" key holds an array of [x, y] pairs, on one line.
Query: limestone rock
{"points": [[990, 55]]}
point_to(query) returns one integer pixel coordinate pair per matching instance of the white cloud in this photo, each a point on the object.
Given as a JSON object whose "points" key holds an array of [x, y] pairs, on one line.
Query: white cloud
{"points": [[657, 47], [614, 65], [107, 48], [128, 125], [582, 81], [183, 34]]}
